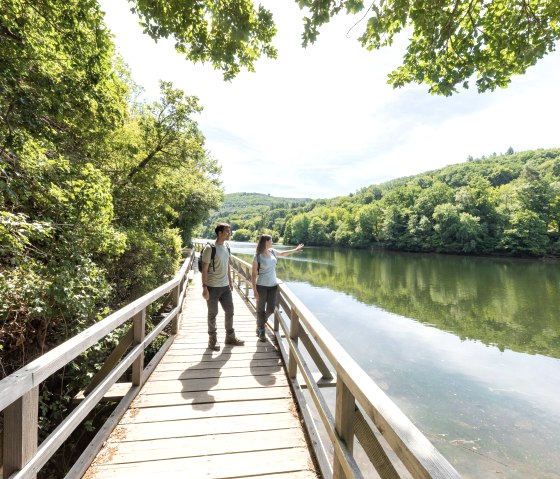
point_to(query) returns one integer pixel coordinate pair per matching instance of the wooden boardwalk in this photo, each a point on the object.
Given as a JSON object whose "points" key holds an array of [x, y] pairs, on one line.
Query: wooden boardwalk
{"points": [[206, 414]]}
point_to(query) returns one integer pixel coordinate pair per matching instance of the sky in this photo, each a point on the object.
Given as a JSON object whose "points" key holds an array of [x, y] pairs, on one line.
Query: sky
{"points": [[322, 122]]}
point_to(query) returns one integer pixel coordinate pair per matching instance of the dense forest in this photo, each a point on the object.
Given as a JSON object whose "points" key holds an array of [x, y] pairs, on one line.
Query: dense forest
{"points": [[504, 204], [99, 191]]}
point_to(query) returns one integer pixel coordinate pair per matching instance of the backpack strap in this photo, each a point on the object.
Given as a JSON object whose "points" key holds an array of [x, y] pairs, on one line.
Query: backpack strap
{"points": [[213, 255]]}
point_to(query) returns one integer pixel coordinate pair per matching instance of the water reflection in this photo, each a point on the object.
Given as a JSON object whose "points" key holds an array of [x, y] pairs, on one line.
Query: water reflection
{"points": [[502, 302], [447, 339]]}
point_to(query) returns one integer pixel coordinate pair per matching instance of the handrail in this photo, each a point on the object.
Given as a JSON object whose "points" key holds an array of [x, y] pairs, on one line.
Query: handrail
{"points": [[363, 412], [19, 399]]}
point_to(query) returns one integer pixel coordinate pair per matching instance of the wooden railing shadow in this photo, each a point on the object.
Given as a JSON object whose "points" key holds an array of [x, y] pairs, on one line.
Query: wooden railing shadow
{"points": [[363, 414], [19, 392]]}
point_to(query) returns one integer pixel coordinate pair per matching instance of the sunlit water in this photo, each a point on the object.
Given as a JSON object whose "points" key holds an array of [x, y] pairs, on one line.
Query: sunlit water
{"points": [[468, 348]]}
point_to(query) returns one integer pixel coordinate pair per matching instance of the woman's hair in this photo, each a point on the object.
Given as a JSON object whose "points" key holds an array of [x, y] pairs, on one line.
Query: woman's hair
{"points": [[261, 245]]}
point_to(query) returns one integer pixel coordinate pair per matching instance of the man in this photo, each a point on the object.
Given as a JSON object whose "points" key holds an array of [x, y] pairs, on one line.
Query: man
{"points": [[217, 286]]}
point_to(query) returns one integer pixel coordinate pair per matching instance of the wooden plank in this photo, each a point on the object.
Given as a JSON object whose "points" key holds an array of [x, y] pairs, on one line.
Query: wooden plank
{"points": [[219, 466], [222, 355], [289, 475], [109, 364], [214, 384], [200, 397], [210, 444], [186, 411], [180, 366], [202, 426], [217, 372], [139, 328]]}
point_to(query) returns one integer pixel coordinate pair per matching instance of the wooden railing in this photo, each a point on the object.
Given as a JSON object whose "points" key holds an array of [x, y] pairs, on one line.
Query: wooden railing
{"points": [[362, 411], [19, 392]]}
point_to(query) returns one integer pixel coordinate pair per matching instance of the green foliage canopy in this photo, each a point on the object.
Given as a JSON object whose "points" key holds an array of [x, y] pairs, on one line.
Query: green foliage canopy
{"points": [[451, 43], [230, 34]]}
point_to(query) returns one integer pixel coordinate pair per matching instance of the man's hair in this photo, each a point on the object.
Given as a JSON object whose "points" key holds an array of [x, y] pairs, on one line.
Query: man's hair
{"points": [[221, 227]]}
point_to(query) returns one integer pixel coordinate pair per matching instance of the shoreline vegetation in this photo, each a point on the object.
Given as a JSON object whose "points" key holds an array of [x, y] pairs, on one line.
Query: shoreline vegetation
{"points": [[501, 205]]}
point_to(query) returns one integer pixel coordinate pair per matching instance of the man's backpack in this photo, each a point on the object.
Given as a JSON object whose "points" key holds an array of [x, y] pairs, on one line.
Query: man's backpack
{"points": [[212, 255]]}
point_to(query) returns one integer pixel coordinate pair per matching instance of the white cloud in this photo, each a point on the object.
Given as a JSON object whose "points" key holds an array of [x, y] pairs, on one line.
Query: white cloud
{"points": [[322, 122]]}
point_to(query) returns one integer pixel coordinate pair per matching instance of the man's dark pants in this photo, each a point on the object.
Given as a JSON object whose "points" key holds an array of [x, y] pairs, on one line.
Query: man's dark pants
{"points": [[223, 296]]}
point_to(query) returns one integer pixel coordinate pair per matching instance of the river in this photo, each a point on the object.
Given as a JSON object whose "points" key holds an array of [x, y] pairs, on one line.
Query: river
{"points": [[467, 347]]}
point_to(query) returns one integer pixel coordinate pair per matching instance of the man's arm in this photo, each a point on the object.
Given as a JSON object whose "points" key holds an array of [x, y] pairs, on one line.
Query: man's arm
{"points": [[229, 276], [205, 293]]}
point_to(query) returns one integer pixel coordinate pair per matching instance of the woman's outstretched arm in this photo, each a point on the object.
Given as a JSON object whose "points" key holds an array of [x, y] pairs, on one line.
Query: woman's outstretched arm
{"points": [[288, 252]]}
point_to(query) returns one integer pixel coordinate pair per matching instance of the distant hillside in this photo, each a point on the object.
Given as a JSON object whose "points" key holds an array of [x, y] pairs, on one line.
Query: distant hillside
{"points": [[251, 214], [239, 201], [502, 204]]}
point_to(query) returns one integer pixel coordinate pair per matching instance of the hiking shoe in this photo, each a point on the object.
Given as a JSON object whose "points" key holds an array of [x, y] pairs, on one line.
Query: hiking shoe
{"points": [[233, 341], [213, 344], [262, 336]]}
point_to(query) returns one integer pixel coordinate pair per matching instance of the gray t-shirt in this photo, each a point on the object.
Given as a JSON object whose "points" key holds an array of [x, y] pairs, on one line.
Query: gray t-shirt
{"points": [[219, 277], [267, 270]]}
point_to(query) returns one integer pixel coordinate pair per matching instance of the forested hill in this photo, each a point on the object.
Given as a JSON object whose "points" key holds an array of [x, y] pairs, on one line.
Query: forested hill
{"points": [[507, 204], [251, 214]]}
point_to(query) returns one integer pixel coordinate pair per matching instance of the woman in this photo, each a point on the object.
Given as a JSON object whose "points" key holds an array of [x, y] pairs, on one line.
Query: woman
{"points": [[264, 280]]}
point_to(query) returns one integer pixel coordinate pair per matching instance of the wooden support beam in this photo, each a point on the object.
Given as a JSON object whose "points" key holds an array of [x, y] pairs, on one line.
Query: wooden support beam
{"points": [[110, 362], [317, 359], [373, 448], [344, 423], [175, 295], [294, 334], [139, 332]]}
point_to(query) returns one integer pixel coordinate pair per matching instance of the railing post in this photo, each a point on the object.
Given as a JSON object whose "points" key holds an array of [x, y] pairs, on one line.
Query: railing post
{"points": [[175, 295], [345, 407], [247, 282], [277, 311], [20, 432], [139, 329], [294, 334]]}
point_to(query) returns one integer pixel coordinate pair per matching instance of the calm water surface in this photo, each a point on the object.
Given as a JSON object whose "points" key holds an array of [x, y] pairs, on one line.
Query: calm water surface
{"points": [[469, 348]]}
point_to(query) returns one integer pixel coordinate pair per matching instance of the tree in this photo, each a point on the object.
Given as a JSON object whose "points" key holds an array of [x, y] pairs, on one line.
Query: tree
{"points": [[452, 40], [164, 184], [525, 234], [58, 81], [229, 35]]}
